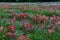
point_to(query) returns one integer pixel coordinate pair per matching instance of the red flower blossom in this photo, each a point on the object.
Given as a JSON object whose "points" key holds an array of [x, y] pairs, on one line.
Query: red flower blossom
{"points": [[23, 23], [1, 28], [13, 13], [25, 15], [22, 37], [44, 18], [38, 20], [28, 25], [22, 15], [51, 31], [56, 19], [12, 19], [11, 27], [12, 30], [34, 18], [51, 28]]}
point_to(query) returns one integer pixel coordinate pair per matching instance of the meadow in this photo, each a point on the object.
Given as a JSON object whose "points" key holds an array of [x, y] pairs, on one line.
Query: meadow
{"points": [[29, 22]]}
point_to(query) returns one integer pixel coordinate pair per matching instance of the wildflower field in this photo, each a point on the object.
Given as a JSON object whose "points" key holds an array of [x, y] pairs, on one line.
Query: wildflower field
{"points": [[29, 22]]}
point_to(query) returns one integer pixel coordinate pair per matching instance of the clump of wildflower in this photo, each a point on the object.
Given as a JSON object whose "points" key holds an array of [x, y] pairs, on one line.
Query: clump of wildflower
{"points": [[22, 16], [12, 27], [23, 38]]}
